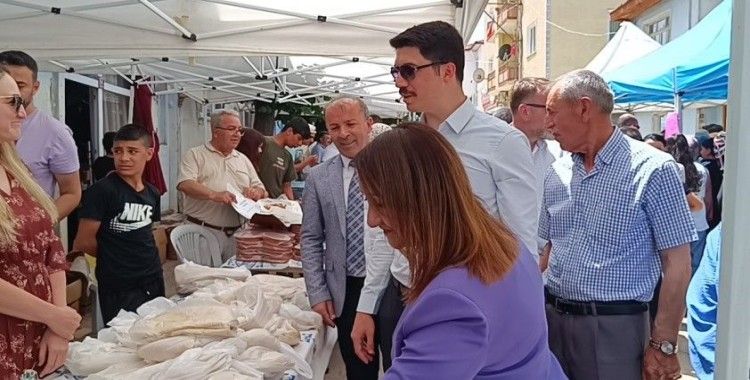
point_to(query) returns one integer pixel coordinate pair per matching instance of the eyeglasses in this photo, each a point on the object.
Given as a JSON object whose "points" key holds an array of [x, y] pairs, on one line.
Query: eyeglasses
{"points": [[409, 71], [17, 101], [241, 131]]}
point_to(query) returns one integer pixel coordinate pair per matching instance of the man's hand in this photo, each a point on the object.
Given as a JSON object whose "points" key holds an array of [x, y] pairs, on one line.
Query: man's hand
{"points": [[254, 193], [325, 309], [53, 350], [363, 337], [311, 160], [223, 197], [657, 366]]}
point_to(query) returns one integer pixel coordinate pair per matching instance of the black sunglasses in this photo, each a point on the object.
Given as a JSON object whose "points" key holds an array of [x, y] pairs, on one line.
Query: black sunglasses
{"points": [[409, 71], [17, 101]]}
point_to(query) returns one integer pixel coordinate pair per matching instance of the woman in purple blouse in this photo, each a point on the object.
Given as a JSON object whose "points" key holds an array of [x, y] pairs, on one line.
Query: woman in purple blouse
{"points": [[476, 306]]}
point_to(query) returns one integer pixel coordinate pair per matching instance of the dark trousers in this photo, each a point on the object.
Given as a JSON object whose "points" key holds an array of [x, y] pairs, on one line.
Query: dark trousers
{"points": [[113, 300], [389, 312], [598, 347], [356, 369]]}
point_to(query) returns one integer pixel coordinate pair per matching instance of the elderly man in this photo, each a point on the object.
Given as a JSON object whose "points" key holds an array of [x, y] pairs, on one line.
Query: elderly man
{"points": [[205, 173], [335, 238], [616, 218], [46, 144], [628, 120]]}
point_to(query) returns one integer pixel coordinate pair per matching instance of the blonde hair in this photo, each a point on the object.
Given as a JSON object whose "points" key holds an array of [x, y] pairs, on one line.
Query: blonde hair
{"points": [[11, 161], [441, 222]]}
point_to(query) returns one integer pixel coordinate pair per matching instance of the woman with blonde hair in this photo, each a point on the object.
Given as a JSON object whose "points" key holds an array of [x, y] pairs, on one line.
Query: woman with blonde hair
{"points": [[35, 323], [476, 306]]}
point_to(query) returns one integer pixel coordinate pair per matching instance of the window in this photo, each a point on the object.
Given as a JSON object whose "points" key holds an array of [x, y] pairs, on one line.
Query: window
{"points": [[659, 30], [531, 38]]}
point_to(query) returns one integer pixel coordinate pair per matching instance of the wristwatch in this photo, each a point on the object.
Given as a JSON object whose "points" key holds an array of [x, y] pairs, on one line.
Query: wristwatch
{"points": [[665, 347]]}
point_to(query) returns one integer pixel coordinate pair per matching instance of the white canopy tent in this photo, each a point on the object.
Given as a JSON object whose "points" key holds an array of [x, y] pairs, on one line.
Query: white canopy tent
{"points": [[217, 51], [627, 45]]}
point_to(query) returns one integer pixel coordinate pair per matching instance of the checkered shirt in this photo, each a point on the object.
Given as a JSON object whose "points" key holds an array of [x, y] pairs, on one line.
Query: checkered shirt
{"points": [[608, 226]]}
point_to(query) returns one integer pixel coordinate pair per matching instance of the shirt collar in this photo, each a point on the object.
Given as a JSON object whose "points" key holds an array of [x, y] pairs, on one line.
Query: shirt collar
{"points": [[346, 161], [212, 149], [460, 117], [608, 151]]}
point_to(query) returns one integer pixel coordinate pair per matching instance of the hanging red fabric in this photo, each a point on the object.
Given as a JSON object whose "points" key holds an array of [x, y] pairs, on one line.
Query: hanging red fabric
{"points": [[142, 116]]}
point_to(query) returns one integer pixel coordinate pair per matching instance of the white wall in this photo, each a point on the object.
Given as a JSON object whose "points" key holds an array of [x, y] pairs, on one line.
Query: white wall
{"points": [[684, 14]]}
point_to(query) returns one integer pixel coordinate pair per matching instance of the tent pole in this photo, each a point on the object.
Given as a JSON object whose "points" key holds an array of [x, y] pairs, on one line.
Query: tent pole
{"points": [[733, 338], [677, 100]]}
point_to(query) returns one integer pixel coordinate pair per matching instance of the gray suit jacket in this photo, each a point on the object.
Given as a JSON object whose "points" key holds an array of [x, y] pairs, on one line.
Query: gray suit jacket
{"points": [[324, 221]]}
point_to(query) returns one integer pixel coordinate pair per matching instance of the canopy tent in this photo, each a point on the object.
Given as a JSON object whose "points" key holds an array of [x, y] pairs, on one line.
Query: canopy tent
{"points": [[693, 67], [230, 50], [627, 45]]}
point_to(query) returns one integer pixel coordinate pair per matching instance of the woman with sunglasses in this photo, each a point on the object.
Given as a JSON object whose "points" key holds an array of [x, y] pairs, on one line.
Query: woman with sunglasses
{"points": [[35, 323], [476, 306]]}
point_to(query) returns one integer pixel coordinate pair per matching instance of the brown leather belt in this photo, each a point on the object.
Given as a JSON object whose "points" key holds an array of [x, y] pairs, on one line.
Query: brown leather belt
{"points": [[226, 230]]}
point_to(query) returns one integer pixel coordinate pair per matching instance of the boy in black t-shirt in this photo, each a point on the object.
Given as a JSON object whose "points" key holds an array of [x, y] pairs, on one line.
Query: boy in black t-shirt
{"points": [[115, 226]]}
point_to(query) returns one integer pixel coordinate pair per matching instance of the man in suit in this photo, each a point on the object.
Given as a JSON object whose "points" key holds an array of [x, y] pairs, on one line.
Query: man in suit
{"points": [[334, 234]]}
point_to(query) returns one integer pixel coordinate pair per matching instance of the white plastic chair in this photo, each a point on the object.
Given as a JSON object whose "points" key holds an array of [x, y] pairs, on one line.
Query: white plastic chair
{"points": [[196, 244]]}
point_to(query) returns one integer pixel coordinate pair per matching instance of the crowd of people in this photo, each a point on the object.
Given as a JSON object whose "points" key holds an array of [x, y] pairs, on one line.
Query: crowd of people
{"points": [[540, 243]]}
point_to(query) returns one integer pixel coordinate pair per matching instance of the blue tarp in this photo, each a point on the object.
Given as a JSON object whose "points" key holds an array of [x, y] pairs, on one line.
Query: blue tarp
{"points": [[695, 65]]}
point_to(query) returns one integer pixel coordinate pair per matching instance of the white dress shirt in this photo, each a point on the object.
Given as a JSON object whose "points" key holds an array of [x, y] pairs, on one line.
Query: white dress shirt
{"points": [[379, 255], [497, 159]]}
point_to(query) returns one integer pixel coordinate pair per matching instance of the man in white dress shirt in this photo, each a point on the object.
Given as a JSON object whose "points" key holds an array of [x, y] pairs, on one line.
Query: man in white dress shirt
{"points": [[527, 102], [428, 71]]}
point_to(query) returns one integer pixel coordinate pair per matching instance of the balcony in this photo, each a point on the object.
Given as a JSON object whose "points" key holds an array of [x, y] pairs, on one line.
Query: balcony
{"points": [[507, 19], [507, 74]]}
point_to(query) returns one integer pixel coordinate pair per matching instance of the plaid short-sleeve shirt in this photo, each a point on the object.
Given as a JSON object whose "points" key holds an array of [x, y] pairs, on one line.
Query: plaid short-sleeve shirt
{"points": [[607, 226]]}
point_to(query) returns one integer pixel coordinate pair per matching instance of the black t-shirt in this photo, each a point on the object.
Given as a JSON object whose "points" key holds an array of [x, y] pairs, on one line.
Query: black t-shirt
{"points": [[102, 166], [127, 254]]}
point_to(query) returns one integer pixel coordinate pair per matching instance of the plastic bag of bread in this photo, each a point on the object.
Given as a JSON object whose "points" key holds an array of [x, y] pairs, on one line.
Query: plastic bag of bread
{"points": [[190, 276], [92, 355], [282, 329], [272, 363], [301, 320], [195, 316], [172, 347]]}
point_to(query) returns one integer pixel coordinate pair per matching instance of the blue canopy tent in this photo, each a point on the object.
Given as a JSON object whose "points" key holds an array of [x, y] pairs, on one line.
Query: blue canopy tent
{"points": [[693, 67]]}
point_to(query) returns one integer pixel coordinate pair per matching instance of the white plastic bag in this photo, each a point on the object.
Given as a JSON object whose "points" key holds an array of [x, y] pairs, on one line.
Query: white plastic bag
{"points": [[92, 355], [301, 320], [272, 363], [194, 316], [282, 329], [190, 276], [172, 347]]}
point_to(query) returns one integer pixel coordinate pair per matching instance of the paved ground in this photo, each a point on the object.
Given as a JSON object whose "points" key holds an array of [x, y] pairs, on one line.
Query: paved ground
{"points": [[336, 370]]}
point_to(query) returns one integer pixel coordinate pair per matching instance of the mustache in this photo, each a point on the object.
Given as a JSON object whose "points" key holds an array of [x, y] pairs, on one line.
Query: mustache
{"points": [[403, 92]]}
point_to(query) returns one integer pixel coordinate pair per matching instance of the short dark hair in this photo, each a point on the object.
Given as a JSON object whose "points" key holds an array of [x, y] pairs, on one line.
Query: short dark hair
{"points": [[525, 88], [376, 119], [713, 128], [108, 140], [299, 126], [437, 41], [133, 132], [19, 58], [656, 137]]}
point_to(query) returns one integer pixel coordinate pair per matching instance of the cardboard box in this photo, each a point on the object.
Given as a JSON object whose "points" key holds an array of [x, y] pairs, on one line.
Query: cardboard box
{"points": [[161, 240], [73, 293]]}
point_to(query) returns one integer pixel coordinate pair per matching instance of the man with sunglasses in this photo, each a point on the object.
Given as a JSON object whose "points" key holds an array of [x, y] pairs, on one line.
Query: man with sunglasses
{"points": [[208, 169], [428, 71], [46, 144]]}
